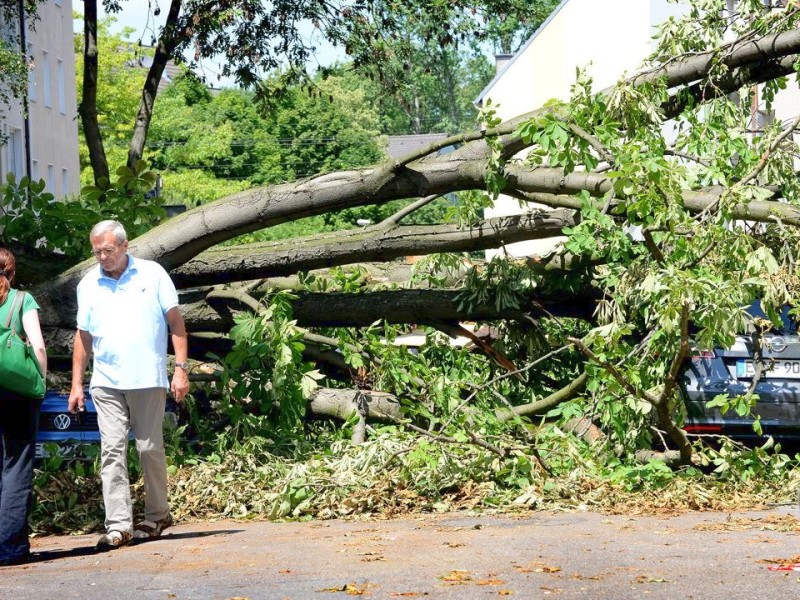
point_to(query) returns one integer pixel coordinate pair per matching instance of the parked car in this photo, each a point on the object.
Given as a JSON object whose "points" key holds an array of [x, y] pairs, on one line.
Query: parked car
{"points": [[70, 433], [731, 371], [75, 435]]}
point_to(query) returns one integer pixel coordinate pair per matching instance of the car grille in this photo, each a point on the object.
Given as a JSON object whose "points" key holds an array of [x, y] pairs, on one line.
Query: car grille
{"points": [[81, 422]]}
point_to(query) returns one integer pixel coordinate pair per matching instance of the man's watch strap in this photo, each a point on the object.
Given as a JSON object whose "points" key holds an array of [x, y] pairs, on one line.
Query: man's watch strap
{"points": [[182, 365]]}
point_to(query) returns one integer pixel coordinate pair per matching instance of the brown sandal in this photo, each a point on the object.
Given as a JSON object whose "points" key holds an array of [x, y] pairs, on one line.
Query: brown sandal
{"points": [[150, 530]]}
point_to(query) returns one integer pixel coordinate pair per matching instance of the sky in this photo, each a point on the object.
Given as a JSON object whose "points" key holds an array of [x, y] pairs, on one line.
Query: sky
{"points": [[138, 14]]}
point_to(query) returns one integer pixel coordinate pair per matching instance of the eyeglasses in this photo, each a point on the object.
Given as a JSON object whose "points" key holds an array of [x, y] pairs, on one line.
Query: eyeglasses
{"points": [[98, 252]]}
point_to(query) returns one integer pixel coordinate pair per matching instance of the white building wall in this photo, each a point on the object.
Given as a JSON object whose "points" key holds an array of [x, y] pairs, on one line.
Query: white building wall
{"points": [[607, 39], [52, 106]]}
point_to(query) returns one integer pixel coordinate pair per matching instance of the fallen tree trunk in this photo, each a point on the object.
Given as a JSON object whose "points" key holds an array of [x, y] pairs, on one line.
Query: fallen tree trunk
{"points": [[287, 257], [397, 306]]}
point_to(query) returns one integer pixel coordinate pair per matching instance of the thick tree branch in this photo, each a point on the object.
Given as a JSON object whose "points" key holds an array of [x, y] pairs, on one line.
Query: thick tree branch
{"points": [[167, 43], [394, 219], [671, 380], [226, 264], [539, 407], [397, 306]]}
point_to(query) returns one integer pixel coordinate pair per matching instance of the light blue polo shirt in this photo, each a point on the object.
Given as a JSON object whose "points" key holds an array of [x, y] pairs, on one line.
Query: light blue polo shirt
{"points": [[127, 321]]}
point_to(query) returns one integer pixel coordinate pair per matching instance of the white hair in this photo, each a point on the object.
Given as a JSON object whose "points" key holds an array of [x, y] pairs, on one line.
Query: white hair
{"points": [[112, 226]]}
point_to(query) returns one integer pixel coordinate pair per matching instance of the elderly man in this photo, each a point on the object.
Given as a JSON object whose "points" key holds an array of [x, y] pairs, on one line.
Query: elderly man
{"points": [[126, 306]]}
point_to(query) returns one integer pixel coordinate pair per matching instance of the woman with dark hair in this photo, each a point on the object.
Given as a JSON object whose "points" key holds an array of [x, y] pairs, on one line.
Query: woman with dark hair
{"points": [[19, 420]]}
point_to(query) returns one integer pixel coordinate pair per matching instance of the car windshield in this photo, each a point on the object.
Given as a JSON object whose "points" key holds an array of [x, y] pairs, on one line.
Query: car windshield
{"points": [[788, 324]]}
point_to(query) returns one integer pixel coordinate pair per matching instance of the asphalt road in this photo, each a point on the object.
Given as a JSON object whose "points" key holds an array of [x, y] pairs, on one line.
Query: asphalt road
{"points": [[454, 555]]}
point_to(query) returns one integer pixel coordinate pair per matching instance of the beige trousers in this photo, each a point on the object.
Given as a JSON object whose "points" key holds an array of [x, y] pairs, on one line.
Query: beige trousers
{"points": [[118, 413]]}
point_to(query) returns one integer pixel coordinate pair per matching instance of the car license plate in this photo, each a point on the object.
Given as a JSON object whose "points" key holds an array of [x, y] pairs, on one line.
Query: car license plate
{"points": [[778, 369], [62, 449]]}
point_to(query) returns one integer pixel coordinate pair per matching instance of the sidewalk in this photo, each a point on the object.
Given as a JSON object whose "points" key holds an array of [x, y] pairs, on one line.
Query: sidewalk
{"points": [[565, 555]]}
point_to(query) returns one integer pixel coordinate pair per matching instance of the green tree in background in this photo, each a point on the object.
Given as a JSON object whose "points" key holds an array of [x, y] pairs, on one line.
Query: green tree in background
{"points": [[326, 127], [223, 138], [432, 91], [261, 39]]}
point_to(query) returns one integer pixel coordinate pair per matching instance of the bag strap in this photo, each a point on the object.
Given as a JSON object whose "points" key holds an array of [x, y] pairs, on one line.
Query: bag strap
{"points": [[15, 311]]}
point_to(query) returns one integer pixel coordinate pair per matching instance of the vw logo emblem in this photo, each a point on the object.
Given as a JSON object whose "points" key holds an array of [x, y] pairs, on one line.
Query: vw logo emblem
{"points": [[777, 344], [62, 421]]}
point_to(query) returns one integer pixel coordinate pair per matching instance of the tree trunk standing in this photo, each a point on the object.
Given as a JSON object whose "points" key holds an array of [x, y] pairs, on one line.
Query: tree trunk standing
{"points": [[164, 49], [88, 106]]}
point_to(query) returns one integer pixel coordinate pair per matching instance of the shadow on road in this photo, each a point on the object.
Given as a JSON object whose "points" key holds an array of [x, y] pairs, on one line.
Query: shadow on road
{"points": [[185, 535], [48, 555]]}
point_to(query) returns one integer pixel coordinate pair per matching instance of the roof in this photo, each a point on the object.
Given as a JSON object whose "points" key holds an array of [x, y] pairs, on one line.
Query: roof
{"points": [[479, 100], [400, 146]]}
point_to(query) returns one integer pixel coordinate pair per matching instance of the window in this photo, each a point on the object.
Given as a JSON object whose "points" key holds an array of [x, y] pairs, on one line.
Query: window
{"points": [[35, 170], [57, 2], [46, 87], [64, 182], [31, 74], [14, 149], [62, 97], [51, 179]]}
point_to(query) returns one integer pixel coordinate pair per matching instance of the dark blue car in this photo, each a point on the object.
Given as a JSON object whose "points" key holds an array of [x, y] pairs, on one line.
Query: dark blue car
{"points": [[75, 435], [71, 433], [731, 371]]}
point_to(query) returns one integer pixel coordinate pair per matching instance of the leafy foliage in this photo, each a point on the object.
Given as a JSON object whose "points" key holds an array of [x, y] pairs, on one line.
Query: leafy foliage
{"points": [[32, 216], [265, 367], [653, 256]]}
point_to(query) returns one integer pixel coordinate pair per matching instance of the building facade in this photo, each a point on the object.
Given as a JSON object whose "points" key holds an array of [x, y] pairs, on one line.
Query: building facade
{"points": [[44, 145]]}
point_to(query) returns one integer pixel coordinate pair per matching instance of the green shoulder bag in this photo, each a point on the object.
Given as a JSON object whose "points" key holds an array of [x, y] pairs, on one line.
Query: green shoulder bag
{"points": [[19, 369]]}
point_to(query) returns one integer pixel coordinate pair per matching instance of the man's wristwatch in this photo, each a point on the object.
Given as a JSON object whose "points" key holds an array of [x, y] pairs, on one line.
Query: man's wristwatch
{"points": [[182, 365]]}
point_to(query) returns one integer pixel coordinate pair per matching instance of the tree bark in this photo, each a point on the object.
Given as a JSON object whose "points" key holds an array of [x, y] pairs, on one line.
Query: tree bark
{"points": [[164, 49], [287, 257], [88, 106], [343, 404], [395, 306]]}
